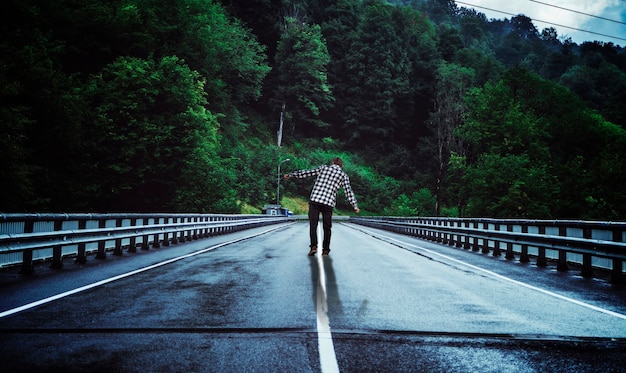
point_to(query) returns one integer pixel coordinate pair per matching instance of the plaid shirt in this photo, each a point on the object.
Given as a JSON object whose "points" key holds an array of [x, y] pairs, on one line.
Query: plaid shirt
{"points": [[329, 180]]}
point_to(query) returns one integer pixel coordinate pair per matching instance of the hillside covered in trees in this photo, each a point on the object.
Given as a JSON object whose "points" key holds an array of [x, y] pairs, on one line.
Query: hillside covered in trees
{"points": [[176, 106]]}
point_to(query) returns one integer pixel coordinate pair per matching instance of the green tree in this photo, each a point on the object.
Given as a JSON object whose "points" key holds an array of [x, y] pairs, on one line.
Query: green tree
{"points": [[154, 144], [602, 87], [388, 75], [537, 148], [40, 114], [507, 174], [449, 42], [486, 67], [453, 81], [474, 30], [340, 31], [301, 86], [220, 48], [419, 203], [508, 186]]}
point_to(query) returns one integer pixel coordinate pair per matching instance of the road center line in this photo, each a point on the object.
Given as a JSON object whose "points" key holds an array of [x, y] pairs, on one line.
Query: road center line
{"points": [[328, 358], [501, 277]]}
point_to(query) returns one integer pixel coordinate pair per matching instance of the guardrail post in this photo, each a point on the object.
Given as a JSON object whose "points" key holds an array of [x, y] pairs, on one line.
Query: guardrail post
{"points": [[187, 232], [523, 258], [466, 238], [101, 244], [562, 262], [438, 235], [475, 245], [205, 231], [81, 258], [27, 262], [496, 244], [132, 246], [175, 234], [418, 230], [27, 255], [145, 240], [444, 237], [616, 274], [166, 236], [211, 229], [118, 241], [485, 246], [509, 245], [459, 237], [451, 235], [432, 233], [542, 261], [587, 269], [195, 231], [156, 243], [57, 250]]}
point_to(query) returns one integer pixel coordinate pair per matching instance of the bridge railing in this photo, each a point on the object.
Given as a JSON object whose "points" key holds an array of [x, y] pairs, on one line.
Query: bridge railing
{"points": [[25, 238], [588, 243]]}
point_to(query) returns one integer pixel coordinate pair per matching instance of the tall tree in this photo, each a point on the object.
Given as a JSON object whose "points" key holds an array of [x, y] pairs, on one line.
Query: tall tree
{"points": [[40, 113], [153, 143], [507, 174], [453, 81], [340, 31], [389, 74], [220, 48], [300, 78], [548, 147]]}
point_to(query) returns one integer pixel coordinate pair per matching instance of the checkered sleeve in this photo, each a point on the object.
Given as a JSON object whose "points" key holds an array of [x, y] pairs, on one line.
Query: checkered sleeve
{"points": [[303, 174], [349, 193]]}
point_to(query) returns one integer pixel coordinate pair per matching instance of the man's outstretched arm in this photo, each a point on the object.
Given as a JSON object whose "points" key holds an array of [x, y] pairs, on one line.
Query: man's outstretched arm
{"points": [[350, 195], [301, 174]]}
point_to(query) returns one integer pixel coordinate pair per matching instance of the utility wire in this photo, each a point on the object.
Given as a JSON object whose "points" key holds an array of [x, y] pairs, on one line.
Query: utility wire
{"points": [[575, 11], [547, 22]]}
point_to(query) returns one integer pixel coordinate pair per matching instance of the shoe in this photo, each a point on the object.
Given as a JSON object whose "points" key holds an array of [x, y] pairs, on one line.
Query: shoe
{"points": [[313, 250], [325, 251]]}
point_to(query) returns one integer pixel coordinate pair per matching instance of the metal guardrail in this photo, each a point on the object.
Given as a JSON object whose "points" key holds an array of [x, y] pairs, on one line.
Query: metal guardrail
{"points": [[53, 236], [582, 242]]}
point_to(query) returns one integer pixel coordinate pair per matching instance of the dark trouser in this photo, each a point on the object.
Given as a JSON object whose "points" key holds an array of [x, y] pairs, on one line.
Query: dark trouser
{"points": [[327, 222]]}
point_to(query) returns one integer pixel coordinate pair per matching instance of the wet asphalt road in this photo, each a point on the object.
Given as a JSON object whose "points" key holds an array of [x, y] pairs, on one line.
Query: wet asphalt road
{"points": [[236, 303]]}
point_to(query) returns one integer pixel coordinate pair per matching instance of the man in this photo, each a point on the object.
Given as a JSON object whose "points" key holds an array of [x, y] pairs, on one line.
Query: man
{"points": [[323, 199]]}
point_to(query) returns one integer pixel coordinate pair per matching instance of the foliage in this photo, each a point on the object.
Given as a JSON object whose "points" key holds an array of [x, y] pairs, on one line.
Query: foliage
{"points": [[420, 203], [536, 152], [387, 76], [302, 88], [172, 138], [173, 106]]}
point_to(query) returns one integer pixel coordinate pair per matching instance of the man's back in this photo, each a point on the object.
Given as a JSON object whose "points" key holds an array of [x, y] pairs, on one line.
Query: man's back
{"points": [[329, 180]]}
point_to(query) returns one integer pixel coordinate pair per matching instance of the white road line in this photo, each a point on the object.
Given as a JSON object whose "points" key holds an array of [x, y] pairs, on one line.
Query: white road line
{"points": [[124, 275], [328, 358], [547, 292]]}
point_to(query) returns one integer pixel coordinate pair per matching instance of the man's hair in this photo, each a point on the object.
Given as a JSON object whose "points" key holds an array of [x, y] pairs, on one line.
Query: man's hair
{"points": [[338, 161]]}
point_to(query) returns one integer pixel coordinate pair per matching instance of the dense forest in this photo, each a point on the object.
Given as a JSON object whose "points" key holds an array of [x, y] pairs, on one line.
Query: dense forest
{"points": [[191, 105]]}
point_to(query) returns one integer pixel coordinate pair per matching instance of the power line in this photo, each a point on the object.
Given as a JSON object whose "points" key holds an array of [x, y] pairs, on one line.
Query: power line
{"points": [[547, 22], [576, 11]]}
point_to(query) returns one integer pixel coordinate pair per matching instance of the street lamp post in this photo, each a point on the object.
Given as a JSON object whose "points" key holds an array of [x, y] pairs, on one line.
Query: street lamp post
{"points": [[278, 184]]}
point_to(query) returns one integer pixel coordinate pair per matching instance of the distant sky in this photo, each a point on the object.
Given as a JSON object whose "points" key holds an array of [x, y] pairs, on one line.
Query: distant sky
{"points": [[542, 10]]}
